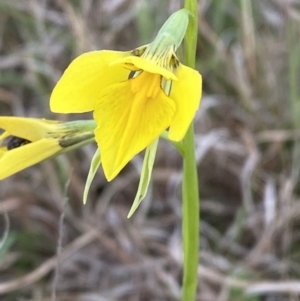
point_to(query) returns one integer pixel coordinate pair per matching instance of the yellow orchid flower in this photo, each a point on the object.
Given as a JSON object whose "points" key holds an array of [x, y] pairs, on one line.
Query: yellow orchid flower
{"points": [[135, 95], [27, 141]]}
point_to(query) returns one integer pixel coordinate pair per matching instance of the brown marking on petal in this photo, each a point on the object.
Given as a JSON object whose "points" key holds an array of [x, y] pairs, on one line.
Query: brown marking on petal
{"points": [[136, 52], [131, 74], [15, 142]]}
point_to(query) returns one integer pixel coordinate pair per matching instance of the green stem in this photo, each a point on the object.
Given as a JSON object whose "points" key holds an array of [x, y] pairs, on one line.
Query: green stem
{"points": [[191, 210], [190, 219]]}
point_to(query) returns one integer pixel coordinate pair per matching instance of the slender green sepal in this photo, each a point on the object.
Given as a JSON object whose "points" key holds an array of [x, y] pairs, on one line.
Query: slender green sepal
{"points": [[80, 125], [95, 164], [145, 176], [171, 33], [75, 132], [74, 138], [85, 140]]}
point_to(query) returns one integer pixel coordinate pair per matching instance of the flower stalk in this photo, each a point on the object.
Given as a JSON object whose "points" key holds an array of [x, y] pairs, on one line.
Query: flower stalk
{"points": [[191, 201]]}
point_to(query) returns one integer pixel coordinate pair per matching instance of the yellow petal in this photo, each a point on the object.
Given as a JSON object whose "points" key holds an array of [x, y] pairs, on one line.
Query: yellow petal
{"points": [[2, 151], [28, 128], [138, 63], [14, 160], [186, 93], [84, 79], [130, 116]]}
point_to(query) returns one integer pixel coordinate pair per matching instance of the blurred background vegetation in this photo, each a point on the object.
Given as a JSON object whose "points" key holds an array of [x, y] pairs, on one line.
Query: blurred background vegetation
{"points": [[247, 147]]}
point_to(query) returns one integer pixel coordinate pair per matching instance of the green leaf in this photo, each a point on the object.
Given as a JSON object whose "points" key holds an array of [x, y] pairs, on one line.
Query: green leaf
{"points": [[145, 176], [96, 161]]}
